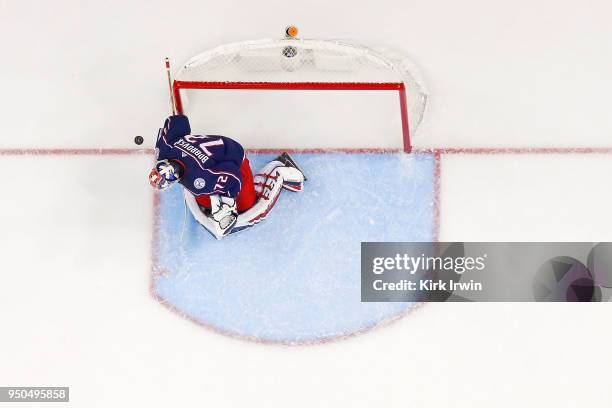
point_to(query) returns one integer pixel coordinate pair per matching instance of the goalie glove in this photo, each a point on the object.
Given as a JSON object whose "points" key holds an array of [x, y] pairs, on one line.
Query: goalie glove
{"points": [[224, 213]]}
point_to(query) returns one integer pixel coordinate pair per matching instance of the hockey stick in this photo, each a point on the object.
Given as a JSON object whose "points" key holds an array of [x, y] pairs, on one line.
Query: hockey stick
{"points": [[139, 139], [169, 75]]}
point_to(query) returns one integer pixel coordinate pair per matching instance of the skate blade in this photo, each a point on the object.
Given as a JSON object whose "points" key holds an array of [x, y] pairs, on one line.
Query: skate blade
{"points": [[290, 159]]}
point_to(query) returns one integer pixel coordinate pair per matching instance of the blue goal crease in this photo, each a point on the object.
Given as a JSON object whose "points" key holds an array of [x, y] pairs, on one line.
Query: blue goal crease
{"points": [[295, 277]]}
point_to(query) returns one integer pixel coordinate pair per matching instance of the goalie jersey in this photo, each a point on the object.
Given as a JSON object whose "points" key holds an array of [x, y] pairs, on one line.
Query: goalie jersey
{"points": [[210, 164]]}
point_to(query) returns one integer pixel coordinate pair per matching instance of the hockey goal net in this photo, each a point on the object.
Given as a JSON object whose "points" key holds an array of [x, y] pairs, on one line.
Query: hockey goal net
{"points": [[378, 100]]}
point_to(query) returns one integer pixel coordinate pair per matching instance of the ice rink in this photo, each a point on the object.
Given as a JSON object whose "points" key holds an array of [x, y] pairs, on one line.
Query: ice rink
{"points": [[517, 132]]}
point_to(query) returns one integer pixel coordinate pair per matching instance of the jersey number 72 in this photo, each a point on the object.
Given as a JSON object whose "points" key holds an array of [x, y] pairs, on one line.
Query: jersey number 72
{"points": [[204, 145]]}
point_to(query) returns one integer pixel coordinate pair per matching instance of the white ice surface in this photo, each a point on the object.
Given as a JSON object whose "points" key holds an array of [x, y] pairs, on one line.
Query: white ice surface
{"points": [[76, 311], [74, 303], [520, 73], [526, 197]]}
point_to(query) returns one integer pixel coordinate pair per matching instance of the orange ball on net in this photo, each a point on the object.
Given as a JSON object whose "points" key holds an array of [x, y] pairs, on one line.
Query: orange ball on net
{"points": [[291, 31]]}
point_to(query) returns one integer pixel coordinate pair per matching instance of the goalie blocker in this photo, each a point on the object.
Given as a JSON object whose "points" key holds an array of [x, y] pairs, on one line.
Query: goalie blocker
{"points": [[219, 187]]}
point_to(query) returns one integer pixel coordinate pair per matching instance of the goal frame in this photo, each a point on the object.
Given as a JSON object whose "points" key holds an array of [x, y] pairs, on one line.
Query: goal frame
{"points": [[305, 86]]}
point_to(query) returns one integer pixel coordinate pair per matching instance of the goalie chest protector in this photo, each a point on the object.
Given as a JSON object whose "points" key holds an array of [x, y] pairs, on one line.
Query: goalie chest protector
{"points": [[211, 163]]}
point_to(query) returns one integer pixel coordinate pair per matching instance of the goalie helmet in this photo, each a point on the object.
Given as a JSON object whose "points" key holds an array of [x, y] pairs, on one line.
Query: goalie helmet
{"points": [[164, 174]]}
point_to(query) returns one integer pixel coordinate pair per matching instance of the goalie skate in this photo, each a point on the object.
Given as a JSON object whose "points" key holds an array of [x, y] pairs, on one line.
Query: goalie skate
{"points": [[288, 161]]}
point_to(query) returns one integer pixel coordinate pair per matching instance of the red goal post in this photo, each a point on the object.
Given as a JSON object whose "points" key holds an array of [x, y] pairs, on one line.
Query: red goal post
{"points": [[307, 65]]}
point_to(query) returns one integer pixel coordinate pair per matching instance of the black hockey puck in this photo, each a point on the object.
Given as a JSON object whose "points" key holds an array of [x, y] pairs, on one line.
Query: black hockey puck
{"points": [[138, 140]]}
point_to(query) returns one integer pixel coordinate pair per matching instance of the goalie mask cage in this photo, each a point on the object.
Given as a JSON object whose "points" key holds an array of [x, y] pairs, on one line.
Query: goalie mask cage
{"points": [[304, 65]]}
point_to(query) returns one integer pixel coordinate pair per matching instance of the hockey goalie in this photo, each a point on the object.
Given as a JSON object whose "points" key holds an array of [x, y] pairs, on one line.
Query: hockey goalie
{"points": [[219, 187]]}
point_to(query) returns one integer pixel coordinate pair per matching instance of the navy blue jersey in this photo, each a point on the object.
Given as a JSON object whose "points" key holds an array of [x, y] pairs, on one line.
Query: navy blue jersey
{"points": [[211, 164]]}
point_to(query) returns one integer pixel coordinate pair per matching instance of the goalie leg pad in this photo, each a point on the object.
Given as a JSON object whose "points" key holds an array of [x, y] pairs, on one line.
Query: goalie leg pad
{"points": [[269, 183], [291, 177]]}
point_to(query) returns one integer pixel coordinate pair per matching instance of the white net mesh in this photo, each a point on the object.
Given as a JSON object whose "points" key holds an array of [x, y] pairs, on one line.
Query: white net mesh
{"points": [[309, 61]]}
